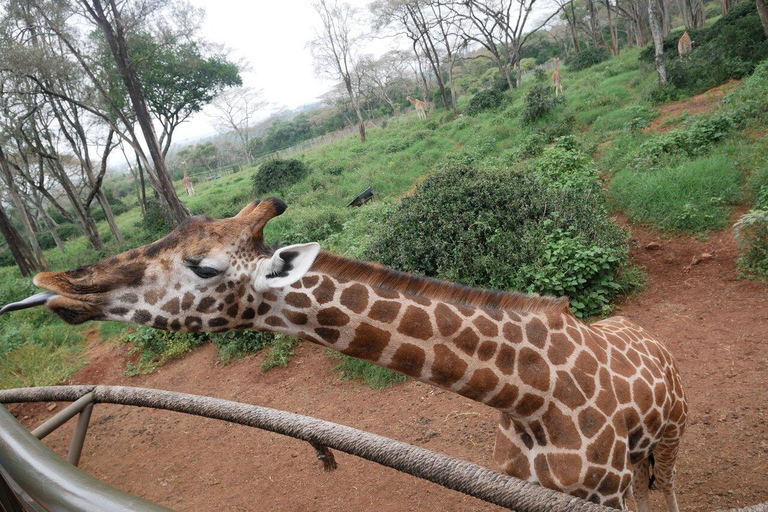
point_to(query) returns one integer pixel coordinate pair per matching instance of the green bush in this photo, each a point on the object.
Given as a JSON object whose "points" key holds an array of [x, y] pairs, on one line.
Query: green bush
{"points": [[6, 258], [588, 58], [276, 174], [488, 99], [538, 102], [238, 344], [156, 347], [752, 235], [480, 227], [566, 168]]}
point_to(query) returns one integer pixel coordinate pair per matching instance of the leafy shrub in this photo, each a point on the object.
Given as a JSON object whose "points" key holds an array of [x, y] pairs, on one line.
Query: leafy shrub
{"points": [[371, 375], [588, 58], [6, 258], [237, 344], [397, 145], [662, 94], [752, 234], [539, 75], [480, 227], [68, 231], [156, 347], [488, 99], [154, 221], [275, 174], [532, 146], [538, 102], [560, 126], [572, 266], [566, 168]]}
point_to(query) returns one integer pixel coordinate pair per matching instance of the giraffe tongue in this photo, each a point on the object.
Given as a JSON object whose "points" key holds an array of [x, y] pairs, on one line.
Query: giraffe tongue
{"points": [[30, 302]]}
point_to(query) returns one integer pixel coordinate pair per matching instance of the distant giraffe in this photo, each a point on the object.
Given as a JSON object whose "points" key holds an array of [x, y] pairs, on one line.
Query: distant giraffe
{"points": [[421, 107], [556, 79], [188, 183], [584, 409], [684, 44]]}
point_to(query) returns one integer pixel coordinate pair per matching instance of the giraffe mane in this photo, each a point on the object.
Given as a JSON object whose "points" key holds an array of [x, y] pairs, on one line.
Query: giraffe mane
{"points": [[380, 276]]}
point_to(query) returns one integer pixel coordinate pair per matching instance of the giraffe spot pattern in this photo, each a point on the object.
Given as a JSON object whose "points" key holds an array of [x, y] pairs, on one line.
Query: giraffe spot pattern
{"points": [[561, 428], [536, 333], [467, 341], [408, 359], [369, 342], [416, 324], [332, 316], [447, 367], [505, 398], [505, 361], [486, 327], [298, 300], [533, 370], [483, 381], [447, 321], [355, 298], [384, 311]]}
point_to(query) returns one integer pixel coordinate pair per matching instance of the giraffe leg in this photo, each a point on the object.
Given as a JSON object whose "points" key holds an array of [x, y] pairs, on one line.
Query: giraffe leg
{"points": [[640, 480], [665, 454]]}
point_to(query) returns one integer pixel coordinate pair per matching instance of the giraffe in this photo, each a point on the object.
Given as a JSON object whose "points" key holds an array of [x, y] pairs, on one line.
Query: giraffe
{"points": [[421, 108], [684, 44], [188, 183], [556, 79], [583, 409]]}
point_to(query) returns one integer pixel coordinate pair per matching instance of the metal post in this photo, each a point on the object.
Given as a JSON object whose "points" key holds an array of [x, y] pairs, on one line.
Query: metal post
{"points": [[63, 417], [78, 438]]}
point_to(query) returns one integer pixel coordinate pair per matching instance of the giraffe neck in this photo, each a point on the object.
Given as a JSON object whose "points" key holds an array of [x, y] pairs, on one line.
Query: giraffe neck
{"points": [[492, 355]]}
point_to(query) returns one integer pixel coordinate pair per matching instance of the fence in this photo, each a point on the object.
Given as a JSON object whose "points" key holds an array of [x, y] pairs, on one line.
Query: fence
{"points": [[449, 472]]}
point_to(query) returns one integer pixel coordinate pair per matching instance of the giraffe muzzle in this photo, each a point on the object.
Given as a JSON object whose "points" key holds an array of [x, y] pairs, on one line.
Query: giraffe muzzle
{"points": [[38, 299]]}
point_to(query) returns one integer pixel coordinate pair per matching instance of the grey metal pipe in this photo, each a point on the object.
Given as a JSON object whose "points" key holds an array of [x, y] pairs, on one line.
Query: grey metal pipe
{"points": [[78, 438], [51, 484], [63, 416]]}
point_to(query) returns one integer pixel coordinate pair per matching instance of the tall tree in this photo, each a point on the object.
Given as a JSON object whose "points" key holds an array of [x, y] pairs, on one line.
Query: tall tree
{"points": [[658, 40], [235, 110], [335, 47], [23, 257], [762, 11]]}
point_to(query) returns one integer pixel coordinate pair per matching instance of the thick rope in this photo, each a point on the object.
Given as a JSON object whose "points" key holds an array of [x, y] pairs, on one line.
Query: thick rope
{"points": [[459, 475]]}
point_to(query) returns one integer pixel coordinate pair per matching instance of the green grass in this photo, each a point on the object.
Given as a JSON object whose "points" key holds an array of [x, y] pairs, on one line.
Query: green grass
{"points": [[691, 197], [369, 374]]}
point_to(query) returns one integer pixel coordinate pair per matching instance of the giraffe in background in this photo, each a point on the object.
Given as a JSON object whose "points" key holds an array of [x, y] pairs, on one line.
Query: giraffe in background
{"points": [[684, 44], [421, 108], [188, 182], [584, 409], [556, 79]]}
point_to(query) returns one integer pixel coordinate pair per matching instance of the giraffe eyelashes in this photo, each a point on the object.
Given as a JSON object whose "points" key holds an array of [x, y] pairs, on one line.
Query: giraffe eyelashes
{"points": [[206, 272]]}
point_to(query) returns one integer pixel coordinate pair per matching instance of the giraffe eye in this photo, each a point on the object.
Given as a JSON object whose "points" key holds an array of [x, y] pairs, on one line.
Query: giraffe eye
{"points": [[206, 272]]}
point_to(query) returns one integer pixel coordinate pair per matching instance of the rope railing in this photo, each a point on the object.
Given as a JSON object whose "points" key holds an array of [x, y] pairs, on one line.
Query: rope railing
{"points": [[449, 472]]}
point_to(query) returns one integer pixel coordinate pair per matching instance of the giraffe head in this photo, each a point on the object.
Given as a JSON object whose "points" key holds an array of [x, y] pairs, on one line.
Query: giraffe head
{"points": [[206, 275]]}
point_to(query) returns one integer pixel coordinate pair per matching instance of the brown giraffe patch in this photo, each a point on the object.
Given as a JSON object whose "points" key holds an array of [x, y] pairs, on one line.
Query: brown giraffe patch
{"points": [[248, 314], [233, 310], [368, 343], [295, 317], [187, 301], [310, 281], [505, 398], [142, 316], [274, 321], [447, 367], [448, 322], [486, 350], [205, 304], [408, 359], [355, 298], [298, 300], [175, 324], [486, 327], [536, 332], [528, 404], [329, 335], [591, 421], [416, 324], [118, 311], [483, 381], [325, 291], [505, 361], [533, 370], [514, 461], [386, 293], [384, 311], [153, 296], [332, 316], [560, 348], [221, 288], [160, 322], [542, 471], [263, 309], [566, 467], [538, 433], [555, 321], [513, 333], [567, 391], [609, 485], [562, 431], [621, 387], [619, 459], [643, 396], [593, 476], [599, 450], [193, 323], [217, 322], [130, 298], [467, 341]]}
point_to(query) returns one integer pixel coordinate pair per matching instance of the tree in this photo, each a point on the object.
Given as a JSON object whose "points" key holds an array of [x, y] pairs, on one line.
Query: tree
{"points": [[762, 11], [23, 257], [334, 49], [658, 40], [235, 110]]}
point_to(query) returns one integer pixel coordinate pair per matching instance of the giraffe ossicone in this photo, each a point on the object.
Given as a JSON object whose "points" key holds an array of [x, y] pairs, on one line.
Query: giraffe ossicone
{"points": [[582, 407]]}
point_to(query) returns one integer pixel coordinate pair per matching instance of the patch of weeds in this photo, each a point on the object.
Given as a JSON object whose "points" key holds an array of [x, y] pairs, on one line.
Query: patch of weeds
{"points": [[280, 354], [371, 375]]}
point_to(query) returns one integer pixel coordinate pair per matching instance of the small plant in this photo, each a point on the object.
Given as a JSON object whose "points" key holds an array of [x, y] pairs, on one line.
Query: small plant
{"points": [[280, 354], [371, 375], [752, 235], [276, 174], [156, 347], [588, 58], [564, 168], [538, 102], [488, 99]]}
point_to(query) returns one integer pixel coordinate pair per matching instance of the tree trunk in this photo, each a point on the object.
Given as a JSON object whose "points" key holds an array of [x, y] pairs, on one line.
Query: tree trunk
{"points": [[574, 35], [762, 11], [50, 225], [119, 49], [658, 40], [612, 29], [23, 257], [592, 22]]}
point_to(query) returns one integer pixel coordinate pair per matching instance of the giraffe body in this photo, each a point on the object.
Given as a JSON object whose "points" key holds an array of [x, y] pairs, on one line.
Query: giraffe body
{"points": [[188, 186], [421, 107], [580, 405], [556, 83], [684, 44]]}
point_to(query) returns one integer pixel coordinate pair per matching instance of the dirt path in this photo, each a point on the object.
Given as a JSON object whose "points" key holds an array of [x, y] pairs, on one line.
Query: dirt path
{"points": [[696, 105], [715, 325]]}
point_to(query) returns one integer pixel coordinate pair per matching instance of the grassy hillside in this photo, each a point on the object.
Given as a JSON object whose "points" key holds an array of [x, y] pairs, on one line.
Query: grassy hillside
{"points": [[685, 179]]}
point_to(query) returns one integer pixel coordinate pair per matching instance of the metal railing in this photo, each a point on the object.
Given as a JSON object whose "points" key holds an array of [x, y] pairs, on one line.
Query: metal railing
{"points": [[459, 475]]}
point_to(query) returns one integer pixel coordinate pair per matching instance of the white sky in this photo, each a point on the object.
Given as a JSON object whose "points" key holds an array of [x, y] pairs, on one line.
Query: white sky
{"points": [[272, 36]]}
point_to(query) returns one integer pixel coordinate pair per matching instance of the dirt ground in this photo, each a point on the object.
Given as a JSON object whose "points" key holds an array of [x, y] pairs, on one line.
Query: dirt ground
{"points": [[715, 324], [696, 105]]}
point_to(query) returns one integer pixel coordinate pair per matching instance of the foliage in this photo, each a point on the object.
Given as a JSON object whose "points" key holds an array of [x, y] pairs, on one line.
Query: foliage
{"points": [[569, 265], [34, 365], [538, 102], [154, 222], [587, 58], [488, 99], [280, 354], [156, 347], [480, 227], [371, 375], [276, 174], [562, 167], [752, 234], [238, 344]]}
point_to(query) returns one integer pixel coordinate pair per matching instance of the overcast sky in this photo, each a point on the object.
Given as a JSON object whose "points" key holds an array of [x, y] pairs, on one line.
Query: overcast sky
{"points": [[272, 36]]}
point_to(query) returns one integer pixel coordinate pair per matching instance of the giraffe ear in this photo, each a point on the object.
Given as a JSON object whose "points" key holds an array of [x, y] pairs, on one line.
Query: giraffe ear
{"points": [[286, 266]]}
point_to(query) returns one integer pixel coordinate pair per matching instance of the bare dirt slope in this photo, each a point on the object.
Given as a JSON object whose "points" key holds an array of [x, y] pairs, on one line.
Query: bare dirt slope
{"points": [[703, 102], [715, 324]]}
